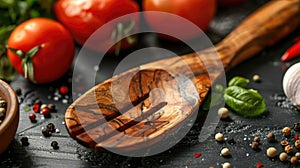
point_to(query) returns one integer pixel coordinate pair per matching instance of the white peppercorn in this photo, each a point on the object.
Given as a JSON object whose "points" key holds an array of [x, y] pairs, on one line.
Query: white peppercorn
{"points": [[43, 106], [223, 112], [283, 156], [271, 152], [286, 131], [256, 78], [219, 137], [225, 152], [226, 165], [297, 154]]}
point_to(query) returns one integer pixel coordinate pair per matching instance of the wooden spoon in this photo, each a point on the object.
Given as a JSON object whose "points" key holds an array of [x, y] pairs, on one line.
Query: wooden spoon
{"points": [[103, 118]]}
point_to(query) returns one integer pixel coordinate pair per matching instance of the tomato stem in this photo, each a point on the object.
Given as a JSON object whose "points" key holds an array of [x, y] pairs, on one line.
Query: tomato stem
{"points": [[122, 30], [27, 63]]}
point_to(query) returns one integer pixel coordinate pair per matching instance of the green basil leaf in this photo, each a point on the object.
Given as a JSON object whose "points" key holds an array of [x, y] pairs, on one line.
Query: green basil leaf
{"points": [[244, 102], [239, 81]]}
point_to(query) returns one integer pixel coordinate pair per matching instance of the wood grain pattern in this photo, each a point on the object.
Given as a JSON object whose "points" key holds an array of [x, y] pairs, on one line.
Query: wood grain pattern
{"points": [[109, 113]]}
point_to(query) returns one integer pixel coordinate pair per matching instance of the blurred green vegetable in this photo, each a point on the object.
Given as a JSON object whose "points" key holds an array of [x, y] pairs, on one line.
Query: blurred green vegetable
{"points": [[244, 102], [14, 12]]}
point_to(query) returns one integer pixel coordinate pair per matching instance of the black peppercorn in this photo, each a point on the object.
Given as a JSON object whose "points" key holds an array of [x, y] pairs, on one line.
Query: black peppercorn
{"points": [[297, 126], [51, 127], [18, 91], [24, 141], [46, 132], [54, 145]]}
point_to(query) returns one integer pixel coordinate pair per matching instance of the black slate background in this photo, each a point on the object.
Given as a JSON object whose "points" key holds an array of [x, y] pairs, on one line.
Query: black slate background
{"points": [[71, 154]]}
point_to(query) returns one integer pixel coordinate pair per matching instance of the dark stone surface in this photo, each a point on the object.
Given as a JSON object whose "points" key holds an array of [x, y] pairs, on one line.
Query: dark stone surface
{"points": [[39, 153]]}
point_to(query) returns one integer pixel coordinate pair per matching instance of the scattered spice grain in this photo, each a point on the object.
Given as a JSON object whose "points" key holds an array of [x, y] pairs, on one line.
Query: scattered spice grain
{"points": [[283, 156], [271, 137], [255, 145], [297, 144], [225, 152], [46, 132], [24, 141], [197, 155], [297, 154], [54, 145], [32, 117], [256, 78], [219, 137], [284, 143], [223, 113], [288, 149], [271, 152], [259, 165], [286, 131], [51, 127], [226, 165], [256, 139], [294, 160]]}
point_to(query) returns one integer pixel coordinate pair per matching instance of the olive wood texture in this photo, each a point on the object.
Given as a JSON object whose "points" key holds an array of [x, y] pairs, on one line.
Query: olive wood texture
{"points": [[106, 116]]}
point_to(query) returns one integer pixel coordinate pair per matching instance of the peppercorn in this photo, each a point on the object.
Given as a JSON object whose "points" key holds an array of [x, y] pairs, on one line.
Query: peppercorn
{"points": [[54, 145], [24, 141], [36, 108], [256, 139], [230, 140], [223, 112], [32, 117], [271, 137], [284, 143], [63, 90], [256, 78], [219, 137], [46, 132], [51, 107], [225, 152], [46, 112], [18, 91], [43, 106], [51, 127], [297, 126], [255, 145], [297, 144], [288, 149], [283, 156], [286, 131], [271, 152], [297, 154], [226, 165], [294, 160]]}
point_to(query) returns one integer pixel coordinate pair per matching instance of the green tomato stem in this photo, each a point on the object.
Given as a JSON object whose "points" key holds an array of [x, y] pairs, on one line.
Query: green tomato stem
{"points": [[27, 61]]}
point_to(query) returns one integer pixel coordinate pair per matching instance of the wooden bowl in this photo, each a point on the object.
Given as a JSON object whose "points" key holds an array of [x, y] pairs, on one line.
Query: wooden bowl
{"points": [[10, 123]]}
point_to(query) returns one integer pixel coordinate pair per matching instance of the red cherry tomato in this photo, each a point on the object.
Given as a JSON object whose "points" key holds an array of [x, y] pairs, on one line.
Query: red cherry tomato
{"points": [[41, 49], [199, 12], [229, 3], [84, 17]]}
